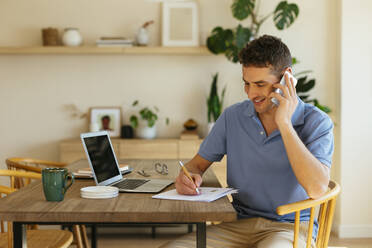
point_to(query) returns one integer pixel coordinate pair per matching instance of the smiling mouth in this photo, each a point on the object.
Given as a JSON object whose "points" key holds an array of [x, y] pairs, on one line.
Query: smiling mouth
{"points": [[259, 100]]}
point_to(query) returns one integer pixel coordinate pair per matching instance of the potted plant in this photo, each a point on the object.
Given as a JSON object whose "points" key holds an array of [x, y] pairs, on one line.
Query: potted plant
{"points": [[231, 41], [145, 124], [214, 103]]}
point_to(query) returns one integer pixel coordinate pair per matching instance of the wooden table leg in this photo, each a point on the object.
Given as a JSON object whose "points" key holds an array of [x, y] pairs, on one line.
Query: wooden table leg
{"points": [[201, 235], [19, 235]]}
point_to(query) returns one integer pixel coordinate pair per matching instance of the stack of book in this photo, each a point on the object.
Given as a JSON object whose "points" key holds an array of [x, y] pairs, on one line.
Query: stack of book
{"points": [[114, 42]]}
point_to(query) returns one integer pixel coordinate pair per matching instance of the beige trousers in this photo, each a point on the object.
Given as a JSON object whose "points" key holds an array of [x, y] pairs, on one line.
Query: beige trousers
{"points": [[247, 233]]}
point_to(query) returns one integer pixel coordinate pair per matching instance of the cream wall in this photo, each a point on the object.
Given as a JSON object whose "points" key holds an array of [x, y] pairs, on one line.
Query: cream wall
{"points": [[34, 89], [356, 120]]}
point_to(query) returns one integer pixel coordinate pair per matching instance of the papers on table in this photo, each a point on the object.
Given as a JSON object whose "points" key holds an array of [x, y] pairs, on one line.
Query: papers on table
{"points": [[208, 194], [87, 173], [99, 192]]}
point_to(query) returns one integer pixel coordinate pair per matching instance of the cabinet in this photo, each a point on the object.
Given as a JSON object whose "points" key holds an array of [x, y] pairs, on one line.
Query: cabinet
{"points": [[72, 149]]}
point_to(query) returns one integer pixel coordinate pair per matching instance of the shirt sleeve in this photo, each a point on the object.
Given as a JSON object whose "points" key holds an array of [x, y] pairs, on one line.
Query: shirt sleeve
{"points": [[321, 142], [213, 147]]}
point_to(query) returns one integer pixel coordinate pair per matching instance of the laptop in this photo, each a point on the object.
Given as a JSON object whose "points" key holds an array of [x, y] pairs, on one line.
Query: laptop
{"points": [[105, 167]]}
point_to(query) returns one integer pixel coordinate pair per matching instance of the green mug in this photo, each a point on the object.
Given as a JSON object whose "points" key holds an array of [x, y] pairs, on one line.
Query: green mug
{"points": [[55, 183]]}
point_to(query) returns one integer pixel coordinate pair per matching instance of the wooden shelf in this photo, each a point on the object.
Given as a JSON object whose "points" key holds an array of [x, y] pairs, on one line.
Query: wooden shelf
{"points": [[107, 50]]}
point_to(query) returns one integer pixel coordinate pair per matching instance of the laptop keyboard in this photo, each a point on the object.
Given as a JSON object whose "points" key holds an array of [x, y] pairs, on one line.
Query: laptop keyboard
{"points": [[130, 183]]}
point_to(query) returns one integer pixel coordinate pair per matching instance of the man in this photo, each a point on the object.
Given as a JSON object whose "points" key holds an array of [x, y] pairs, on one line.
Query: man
{"points": [[105, 120], [275, 154]]}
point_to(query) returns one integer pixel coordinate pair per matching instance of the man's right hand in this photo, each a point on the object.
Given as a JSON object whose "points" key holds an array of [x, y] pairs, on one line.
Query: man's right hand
{"points": [[184, 186]]}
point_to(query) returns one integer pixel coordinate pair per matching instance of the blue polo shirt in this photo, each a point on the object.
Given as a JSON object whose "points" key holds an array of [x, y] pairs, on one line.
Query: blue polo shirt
{"points": [[257, 164]]}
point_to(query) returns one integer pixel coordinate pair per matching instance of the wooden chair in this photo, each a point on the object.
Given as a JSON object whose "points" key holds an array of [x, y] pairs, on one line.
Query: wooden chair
{"points": [[325, 217], [35, 238], [36, 165]]}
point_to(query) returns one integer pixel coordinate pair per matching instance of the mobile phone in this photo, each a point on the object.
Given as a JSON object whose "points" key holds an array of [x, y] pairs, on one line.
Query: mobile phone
{"points": [[282, 82]]}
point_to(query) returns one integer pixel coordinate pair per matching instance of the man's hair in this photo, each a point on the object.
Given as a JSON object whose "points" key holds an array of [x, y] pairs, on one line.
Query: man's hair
{"points": [[105, 117], [266, 51]]}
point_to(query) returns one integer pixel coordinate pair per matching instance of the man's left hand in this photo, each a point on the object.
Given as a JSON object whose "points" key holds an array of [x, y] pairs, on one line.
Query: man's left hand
{"points": [[287, 103]]}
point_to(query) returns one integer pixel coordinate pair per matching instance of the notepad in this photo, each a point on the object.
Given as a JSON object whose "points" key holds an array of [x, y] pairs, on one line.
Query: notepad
{"points": [[208, 194]]}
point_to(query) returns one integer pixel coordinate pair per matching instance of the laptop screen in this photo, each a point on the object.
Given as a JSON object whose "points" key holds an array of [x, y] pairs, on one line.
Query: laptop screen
{"points": [[102, 157]]}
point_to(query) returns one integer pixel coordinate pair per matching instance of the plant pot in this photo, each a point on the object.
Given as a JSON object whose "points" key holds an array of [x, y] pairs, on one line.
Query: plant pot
{"points": [[143, 131], [210, 126]]}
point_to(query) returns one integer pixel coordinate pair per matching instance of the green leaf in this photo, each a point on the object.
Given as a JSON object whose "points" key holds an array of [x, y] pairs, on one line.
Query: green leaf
{"points": [[134, 121], [167, 121], [295, 61], [300, 84], [223, 96], [241, 9], [215, 107], [303, 85], [303, 97], [296, 75], [209, 110], [232, 54], [322, 107], [213, 102], [220, 40], [308, 85], [151, 122], [285, 14], [135, 103], [242, 37]]}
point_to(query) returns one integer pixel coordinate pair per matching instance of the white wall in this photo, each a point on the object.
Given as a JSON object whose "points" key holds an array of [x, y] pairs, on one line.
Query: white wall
{"points": [[34, 89], [356, 120]]}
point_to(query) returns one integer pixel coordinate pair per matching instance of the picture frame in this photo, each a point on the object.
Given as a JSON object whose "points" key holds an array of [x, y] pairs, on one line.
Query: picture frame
{"points": [[106, 119], [180, 25]]}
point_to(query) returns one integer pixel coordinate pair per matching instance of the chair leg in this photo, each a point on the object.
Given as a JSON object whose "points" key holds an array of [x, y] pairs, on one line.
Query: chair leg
{"points": [[153, 232], [190, 227], [77, 236], [83, 231]]}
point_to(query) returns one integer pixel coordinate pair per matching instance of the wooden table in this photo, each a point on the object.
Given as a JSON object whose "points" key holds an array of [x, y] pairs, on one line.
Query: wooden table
{"points": [[28, 206]]}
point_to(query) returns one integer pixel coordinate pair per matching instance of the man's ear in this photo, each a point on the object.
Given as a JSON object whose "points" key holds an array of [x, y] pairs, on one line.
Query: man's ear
{"points": [[290, 70]]}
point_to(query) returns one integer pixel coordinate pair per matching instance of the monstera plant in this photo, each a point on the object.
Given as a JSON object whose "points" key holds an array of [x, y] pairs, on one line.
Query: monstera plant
{"points": [[231, 41]]}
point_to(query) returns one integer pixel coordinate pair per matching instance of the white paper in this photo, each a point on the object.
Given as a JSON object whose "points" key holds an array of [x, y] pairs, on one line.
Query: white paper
{"points": [[208, 194]]}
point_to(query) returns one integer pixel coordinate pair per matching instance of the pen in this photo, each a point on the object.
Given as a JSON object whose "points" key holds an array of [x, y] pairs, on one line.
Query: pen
{"points": [[188, 175]]}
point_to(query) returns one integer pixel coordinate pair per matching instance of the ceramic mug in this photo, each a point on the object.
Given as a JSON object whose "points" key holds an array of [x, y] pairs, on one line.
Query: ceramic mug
{"points": [[55, 183]]}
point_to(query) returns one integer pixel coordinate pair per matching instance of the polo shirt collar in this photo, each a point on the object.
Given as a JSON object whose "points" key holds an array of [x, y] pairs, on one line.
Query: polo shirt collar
{"points": [[249, 110], [297, 117]]}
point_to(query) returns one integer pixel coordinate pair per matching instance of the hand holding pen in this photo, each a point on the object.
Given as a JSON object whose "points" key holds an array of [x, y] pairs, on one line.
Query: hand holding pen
{"points": [[186, 183]]}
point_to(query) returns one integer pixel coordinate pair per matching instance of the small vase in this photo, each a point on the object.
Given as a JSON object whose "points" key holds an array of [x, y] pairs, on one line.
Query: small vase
{"points": [[145, 132], [72, 37], [142, 37]]}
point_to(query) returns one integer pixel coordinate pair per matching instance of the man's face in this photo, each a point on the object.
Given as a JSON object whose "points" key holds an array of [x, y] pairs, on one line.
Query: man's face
{"points": [[258, 86], [106, 123]]}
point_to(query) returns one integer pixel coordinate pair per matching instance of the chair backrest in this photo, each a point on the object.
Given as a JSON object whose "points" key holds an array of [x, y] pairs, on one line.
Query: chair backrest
{"points": [[28, 165], [327, 204], [5, 190]]}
